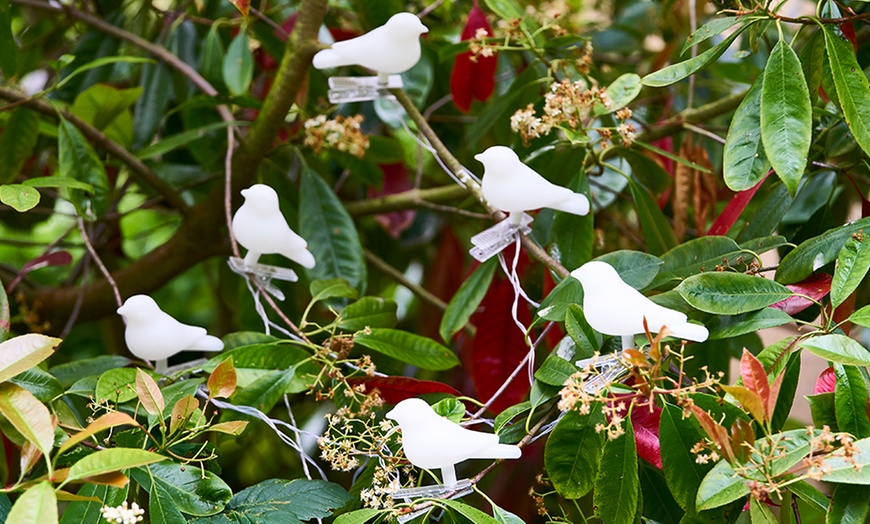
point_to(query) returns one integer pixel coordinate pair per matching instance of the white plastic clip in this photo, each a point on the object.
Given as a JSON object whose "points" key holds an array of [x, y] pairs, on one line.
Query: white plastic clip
{"points": [[440, 491], [344, 89], [264, 274], [492, 241]]}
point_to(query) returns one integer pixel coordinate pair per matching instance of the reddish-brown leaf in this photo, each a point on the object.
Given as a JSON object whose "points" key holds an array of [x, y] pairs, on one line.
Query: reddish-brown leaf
{"points": [[396, 180], [703, 188], [750, 401], [222, 381], [826, 383], [774, 393], [473, 79], [734, 208], [683, 175], [499, 347], [244, 6], [646, 433], [149, 393], [718, 434], [755, 379], [396, 389], [815, 286]]}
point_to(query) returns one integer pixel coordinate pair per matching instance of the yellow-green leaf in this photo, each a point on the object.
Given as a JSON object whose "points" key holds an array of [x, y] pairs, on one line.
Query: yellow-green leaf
{"points": [[29, 416], [22, 353]]}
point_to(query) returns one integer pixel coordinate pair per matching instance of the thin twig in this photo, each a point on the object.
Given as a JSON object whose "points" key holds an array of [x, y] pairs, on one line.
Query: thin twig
{"points": [[424, 294], [99, 262]]}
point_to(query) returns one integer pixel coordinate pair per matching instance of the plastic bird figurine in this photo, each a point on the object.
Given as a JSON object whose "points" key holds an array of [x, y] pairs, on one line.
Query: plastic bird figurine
{"points": [[431, 441], [514, 187], [613, 307], [152, 334], [260, 228], [391, 48]]}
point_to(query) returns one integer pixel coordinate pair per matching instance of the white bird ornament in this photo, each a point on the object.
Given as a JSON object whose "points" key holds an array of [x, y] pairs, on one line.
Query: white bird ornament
{"points": [[514, 187], [431, 441], [152, 334], [259, 227], [389, 49], [612, 307]]}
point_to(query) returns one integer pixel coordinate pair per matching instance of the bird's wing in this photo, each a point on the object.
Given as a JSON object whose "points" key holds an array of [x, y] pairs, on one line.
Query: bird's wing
{"points": [[533, 189], [464, 442], [361, 47], [183, 335], [656, 315]]}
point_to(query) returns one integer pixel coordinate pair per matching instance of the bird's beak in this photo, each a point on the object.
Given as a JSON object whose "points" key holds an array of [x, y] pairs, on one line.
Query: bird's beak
{"points": [[391, 414], [244, 193], [424, 29], [479, 157], [120, 310]]}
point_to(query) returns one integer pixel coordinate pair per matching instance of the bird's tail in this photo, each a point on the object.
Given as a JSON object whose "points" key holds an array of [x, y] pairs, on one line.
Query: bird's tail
{"points": [[208, 343], [689, 331], [499, 451], [327, 59], [302, 256], [577, 204]]}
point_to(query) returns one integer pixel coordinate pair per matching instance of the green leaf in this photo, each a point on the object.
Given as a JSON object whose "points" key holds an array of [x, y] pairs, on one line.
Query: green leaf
{"points": [[848, 505], [852, 86], [861, 317], [587, 340], [23, 352], [18, 140], [117, 385], [621, 92], [466, 300], [696, 256], [4, 317], [657, 232], [19, 197], [450, 408], [722, 327], [58, 181], [29, 416], [838, 348], [107, 108], [369, 312], [744, 162], [616, 485], [724, 293], [722, 485], [822, 410], [255, 361], [760, 513], [71, 372], [288, 501], [555, 370], [407, 347], [331, 288], [505, 517], [360, 516], [850, 399], [816, 252], [473, 514], [161, 508], [212, 56], [635, 268], [709, 30], [266, 391], [173, 142], [809, 494], [676, 72], [156, 83], [786, 115], [43, 386], [111, 460], [573, 235], [9, 56], [566, 293], [573, 451], [79, 512], [238, 68], [77, 159], [848, 470], [194, 491], [677, 436], [853, 261], [100, 62], [330, 232], [812, 57], [37, 505]]}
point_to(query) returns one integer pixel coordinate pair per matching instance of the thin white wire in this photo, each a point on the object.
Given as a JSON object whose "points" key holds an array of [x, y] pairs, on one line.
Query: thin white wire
{"points": [[514, 279], [261, 311], [423, 142], [298, 437]]}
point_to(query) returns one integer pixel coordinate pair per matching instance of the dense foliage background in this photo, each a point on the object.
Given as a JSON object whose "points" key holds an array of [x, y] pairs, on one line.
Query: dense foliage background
{"points": [[705, 134]]}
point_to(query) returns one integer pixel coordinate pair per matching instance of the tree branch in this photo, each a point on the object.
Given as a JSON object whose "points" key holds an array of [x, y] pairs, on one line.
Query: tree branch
{"points": [[404, 200]]}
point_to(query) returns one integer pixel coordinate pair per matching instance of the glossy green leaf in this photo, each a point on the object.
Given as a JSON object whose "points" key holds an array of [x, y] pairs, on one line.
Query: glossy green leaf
{"points": [[466, 300], [266, 391], [173, 142], [852, 86], [555, 370], [838, 348], [330, 232], [100, 62], [696, 256], [23, 352], [4, 316], [194, 491], [156, 83], [760, 513], [238, 67], [744, 162], [117, 385], [37, 505], [20, 133], [822, 410], [809, 494], [79, 512], [850, 399], [587, 340], [255, 361], [407, 347], [555, 304], [212, 56], [71, 372], [849, 505], [469, 512], [786, 115], [9, 57], [812, 57], [657, 232], [78, 160], [106, 108], [621, 92], [29, 416], [635, 268], [861, 317], [43, 386], [111, 460], [676, 72], [573, 451], [572, 236], [161, 507], [848, 470], [58, 181], [360, 516], [725, 293], [709, 30], [19, 197], [616, 485], [853, 262], [287, 501], [369, 312], [331, 288], [816, 252], [722, 327]]}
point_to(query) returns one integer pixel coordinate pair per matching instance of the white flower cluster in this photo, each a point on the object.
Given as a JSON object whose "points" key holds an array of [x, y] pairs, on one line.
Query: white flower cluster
{"points": [[123, 514], [341, 133]]}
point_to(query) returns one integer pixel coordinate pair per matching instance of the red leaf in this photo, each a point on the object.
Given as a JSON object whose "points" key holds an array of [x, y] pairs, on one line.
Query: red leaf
{"points": [[826, 383], [244, 6], [755, 379], [396, 180], [473, 79], [55, 258], [734, 208], [646, 433], [815, 286], [499, 347], [397, 389], [849, 32]]}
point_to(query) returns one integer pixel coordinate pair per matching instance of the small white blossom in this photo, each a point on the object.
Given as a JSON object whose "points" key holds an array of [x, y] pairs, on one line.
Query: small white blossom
{"points": [[123, 514]]}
